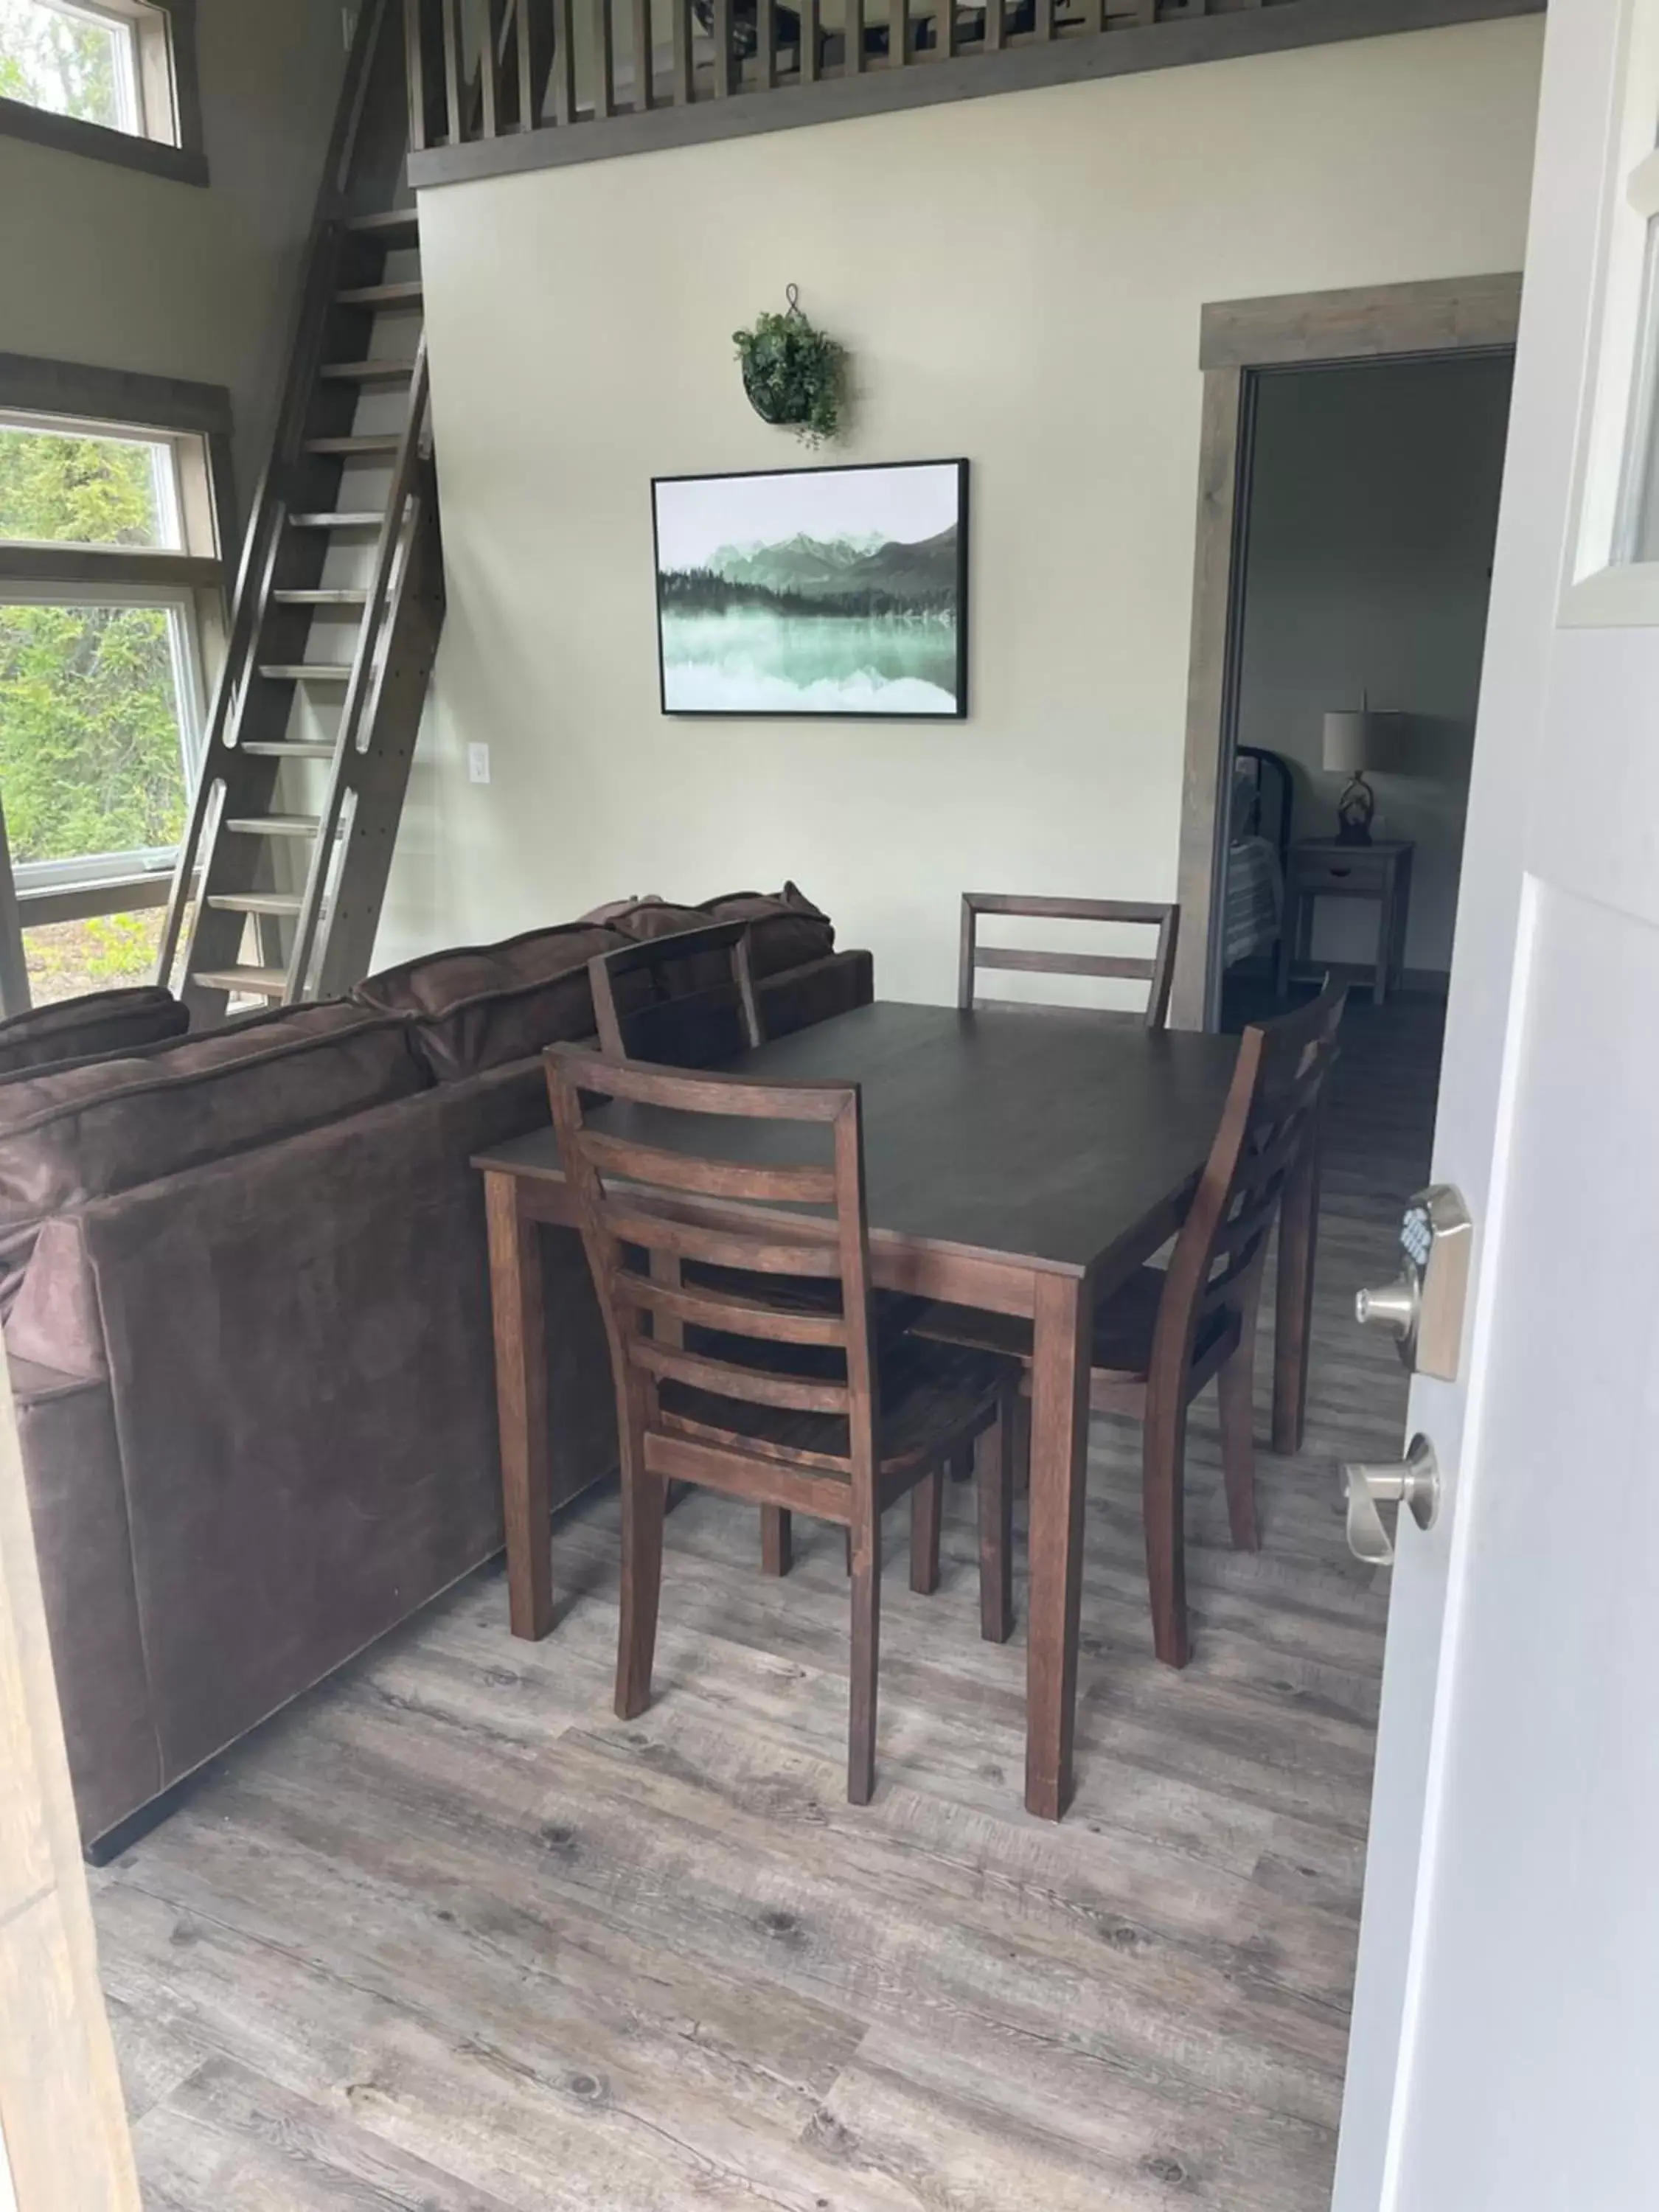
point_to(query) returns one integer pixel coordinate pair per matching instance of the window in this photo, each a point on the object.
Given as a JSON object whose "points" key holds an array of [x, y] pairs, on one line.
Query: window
{"points": [[110, 622], [114, 78], [1613, 572]]}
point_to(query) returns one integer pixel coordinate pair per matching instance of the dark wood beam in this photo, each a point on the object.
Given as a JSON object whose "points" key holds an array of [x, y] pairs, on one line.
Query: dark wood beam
{"points": [[1015, 68]]}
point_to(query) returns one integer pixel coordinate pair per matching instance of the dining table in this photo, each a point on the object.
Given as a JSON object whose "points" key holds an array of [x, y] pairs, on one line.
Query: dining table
{"points": [[1022, 1161]]}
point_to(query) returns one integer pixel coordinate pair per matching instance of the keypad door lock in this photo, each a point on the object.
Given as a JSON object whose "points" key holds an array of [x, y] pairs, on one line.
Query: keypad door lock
{"points": [[1423, 1310]]}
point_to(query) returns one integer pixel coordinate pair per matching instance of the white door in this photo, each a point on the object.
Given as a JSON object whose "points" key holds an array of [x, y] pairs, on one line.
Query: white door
{"points": [[1505, 2053]]}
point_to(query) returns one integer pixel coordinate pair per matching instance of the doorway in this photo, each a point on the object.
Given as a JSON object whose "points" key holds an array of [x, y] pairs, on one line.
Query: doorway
{"points": [[1368, 516]]}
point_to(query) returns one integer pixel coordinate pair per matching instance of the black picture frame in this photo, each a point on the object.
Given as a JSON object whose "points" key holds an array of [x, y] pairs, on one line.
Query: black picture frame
{"points": [[957, 713]]}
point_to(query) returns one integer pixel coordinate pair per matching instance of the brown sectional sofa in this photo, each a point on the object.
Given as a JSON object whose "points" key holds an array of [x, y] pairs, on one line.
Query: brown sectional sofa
{"points": [[245, 1285]]}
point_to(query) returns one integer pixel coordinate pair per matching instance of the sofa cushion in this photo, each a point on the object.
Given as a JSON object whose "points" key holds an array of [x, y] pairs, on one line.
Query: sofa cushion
{"points": [[786, 930], [69, 1136], [481, 1005], [80, 1028]]}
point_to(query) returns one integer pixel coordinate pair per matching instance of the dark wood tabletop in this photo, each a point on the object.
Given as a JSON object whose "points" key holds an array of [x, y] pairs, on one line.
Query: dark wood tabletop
{"points": [[1054, 1136]]}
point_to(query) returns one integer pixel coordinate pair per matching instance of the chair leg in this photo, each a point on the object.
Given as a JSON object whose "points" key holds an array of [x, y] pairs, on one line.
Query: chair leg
{"points": [[927, 1507], [994, 1457], [777, 1540], [866, 1642], [1163, 1453], [1235, 1395], [1020, 1429], [642, 1504]]}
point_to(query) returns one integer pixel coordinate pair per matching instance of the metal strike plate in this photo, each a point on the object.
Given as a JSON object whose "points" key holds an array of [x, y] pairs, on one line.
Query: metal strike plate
{"points": [[1413, 1484], [1423, 1310]]}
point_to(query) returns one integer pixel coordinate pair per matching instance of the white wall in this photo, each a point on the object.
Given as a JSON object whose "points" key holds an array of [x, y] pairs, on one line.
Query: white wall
{"points": [[109, 266], [1019, 279], [1373, 513]]}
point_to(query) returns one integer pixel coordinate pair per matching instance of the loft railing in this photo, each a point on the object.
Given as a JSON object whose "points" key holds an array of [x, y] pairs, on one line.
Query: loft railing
{"points": [[511, 84]]}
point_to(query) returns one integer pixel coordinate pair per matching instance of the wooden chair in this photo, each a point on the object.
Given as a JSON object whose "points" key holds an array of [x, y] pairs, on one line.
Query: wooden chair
{"points": [[1156, 972], [757, 1396], [684, 1001], [1167, 1332]]}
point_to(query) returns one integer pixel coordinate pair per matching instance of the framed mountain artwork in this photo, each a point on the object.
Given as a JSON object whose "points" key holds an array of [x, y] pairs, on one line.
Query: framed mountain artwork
{"points": [[821, 591]]}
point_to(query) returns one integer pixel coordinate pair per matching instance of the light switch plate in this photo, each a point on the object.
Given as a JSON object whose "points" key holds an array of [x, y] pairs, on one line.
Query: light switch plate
{"points": [[477, 764]]}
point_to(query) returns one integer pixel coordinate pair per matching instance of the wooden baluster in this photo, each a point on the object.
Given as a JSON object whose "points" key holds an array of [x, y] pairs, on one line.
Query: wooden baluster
{"points": [[564, 63], [1045, 19], [605, 60], [415, 60], [945, 20], [993, 26], [535, 29], [898, 34], [722, 48], [1149, 11], [452, 34], [490, 71], [645, 90], [686, 89], [854, 63], [766, 44], [809, 41]]}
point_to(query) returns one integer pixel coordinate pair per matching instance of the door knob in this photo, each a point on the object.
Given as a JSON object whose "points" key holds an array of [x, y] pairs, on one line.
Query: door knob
{"points": [[1413, 1483], [1393, 1306]]}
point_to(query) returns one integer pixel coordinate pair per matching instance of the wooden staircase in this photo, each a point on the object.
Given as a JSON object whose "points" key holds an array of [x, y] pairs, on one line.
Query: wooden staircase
{"points": [[339, 605]]}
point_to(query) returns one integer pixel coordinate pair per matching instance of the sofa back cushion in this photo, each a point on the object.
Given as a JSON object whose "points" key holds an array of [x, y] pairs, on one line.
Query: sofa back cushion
{"points": [[69, 1136], [786, 930], [481, 1005], [79, 1029]]}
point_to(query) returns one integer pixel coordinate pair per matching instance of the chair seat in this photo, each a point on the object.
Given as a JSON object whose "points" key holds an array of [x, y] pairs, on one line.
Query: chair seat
{"points": [[1122, 1342], [934, 1397]]}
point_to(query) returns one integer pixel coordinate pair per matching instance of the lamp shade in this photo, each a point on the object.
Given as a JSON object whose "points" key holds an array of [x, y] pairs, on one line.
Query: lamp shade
{"points": [[1361, 738]]}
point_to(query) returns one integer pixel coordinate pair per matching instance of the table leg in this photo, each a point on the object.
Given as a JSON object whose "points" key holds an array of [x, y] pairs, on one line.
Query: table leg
{"points": [[1060, 1436], [1298, 1237], [1384, 948], [515, 1293]]}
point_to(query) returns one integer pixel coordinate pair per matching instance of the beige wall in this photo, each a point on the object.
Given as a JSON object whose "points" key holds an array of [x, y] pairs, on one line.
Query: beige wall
{"points": [[107, 266], [1373, 513], [1019, 279]]}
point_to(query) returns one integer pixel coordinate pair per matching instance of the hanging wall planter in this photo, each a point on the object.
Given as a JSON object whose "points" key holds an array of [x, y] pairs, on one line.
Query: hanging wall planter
{"points": [[794, 373]]}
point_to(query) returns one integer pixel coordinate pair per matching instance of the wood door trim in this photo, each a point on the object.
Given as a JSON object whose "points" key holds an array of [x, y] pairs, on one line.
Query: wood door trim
{"points": [[1237, 338]]}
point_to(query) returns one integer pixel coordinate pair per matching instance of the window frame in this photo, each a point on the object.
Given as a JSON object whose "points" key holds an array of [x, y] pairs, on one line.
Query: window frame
{"points": [[195, 420], [168, 140], [1619, 433]]}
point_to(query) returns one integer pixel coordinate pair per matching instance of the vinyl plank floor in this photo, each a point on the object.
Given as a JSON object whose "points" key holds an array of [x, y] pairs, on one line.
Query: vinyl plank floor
{"points": [[449, 1937]]}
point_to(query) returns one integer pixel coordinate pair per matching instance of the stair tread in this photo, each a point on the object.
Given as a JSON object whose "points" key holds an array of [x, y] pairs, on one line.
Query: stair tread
{"points": [[367, 372], [264, 982], [273, 826], [404, 291], [383, 220], [376, 441], [307, 671], [273, 902], [354, 595], [344, 518], [288, 748]]}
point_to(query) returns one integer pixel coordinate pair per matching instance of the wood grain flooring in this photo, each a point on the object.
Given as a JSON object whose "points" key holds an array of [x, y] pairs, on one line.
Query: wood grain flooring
{"points": [[447, 1937]]}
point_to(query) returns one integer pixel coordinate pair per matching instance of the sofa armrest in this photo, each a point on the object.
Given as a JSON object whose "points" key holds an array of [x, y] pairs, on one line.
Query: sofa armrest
{"points": [[300, 1364], [77, 1507]]}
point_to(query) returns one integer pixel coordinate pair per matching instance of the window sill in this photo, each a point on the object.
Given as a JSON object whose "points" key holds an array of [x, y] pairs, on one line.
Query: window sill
{"points": [[47, 903], [68, 134]]}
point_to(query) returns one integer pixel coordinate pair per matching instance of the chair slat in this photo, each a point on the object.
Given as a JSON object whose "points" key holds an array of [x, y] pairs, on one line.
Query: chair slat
{"points": [[650, 1163], [727, 1311], [702, 1093], [777, 1254], [727, 1378], [1064, 964]]}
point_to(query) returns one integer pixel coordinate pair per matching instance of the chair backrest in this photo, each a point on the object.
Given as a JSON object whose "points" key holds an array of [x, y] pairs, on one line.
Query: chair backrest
{"points": [[711, 1379], [1155, 969], [1269, 1121], [684, 1001]]}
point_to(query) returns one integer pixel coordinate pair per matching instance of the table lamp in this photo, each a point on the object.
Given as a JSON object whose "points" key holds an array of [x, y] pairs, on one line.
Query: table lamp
{"points": [[1358, 738]]}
